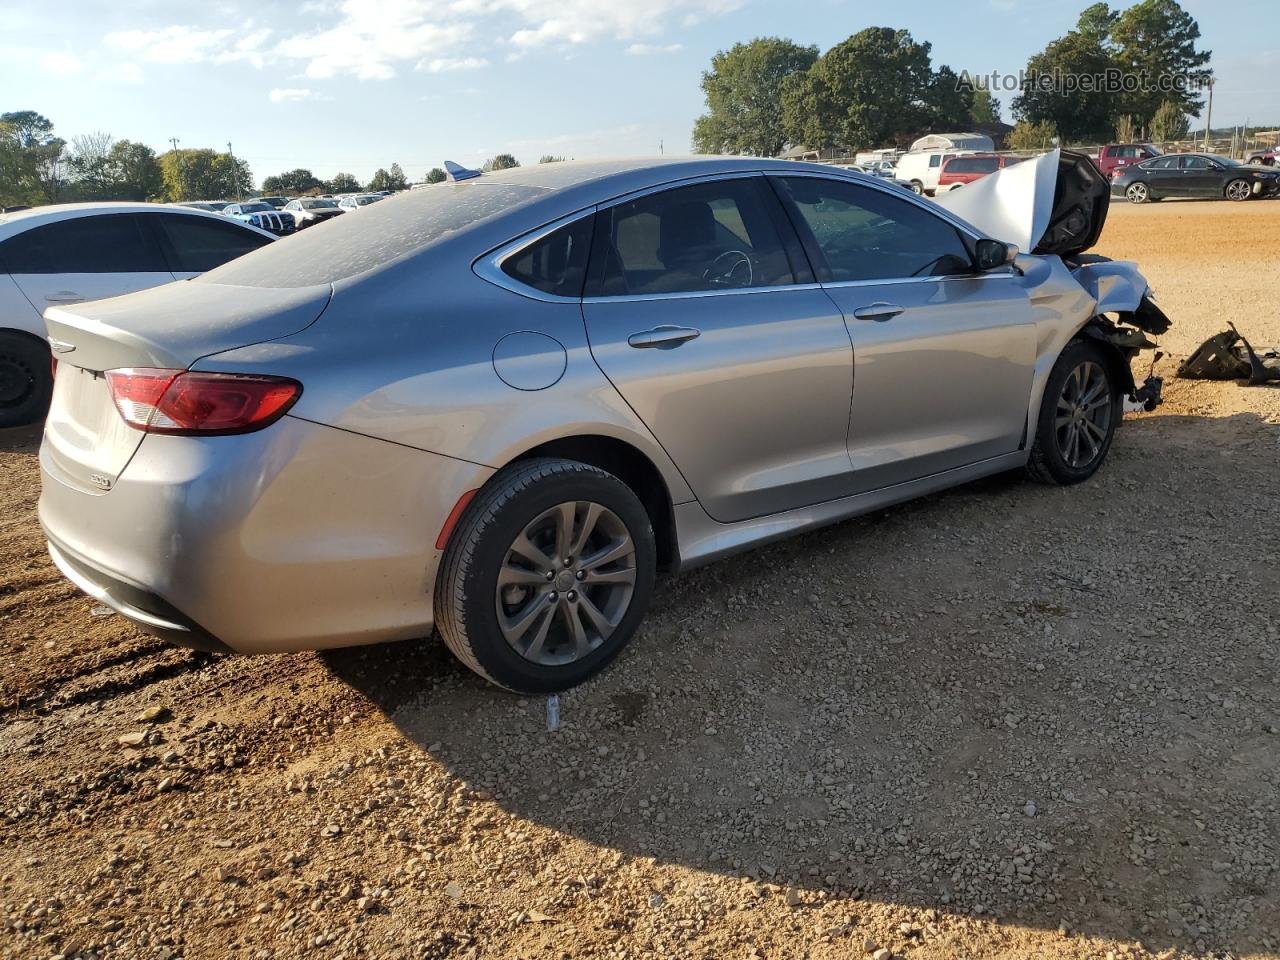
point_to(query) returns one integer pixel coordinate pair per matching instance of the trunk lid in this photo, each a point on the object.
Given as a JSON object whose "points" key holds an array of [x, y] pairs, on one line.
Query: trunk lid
{"points": [[86, 442], [1055, 204]]}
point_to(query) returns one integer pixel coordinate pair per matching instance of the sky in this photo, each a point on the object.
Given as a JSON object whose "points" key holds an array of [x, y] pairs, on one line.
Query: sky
{"points": [[353, 85]]}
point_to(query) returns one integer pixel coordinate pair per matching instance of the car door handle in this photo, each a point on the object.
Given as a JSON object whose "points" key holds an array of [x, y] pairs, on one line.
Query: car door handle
{"points": [[878, 311], [664, 338], [64, 296]]}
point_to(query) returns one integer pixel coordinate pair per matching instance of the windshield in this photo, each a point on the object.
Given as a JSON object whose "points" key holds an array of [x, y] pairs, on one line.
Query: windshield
{"points": [[254, 207], [317, 204], [366, 200]]}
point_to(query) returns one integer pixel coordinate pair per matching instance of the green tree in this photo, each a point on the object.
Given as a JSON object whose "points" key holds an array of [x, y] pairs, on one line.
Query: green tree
{"points": [[874, 88], [550, 158], [90, 168], [1095, 22], [30, 128], [436, 175], [1156, 39], [292, 182], [396, 180], [1032, 136], [503, 161], [137, 171], [1083, 114], [949, 103], [344, 183], [379, 180], [203, 174], [986, 108], [34, 133], [1170, 123], [743, 90], [19, 170]]}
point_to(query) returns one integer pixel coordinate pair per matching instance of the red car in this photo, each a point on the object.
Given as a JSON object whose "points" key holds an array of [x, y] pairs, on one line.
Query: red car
{"points": [[1117, 156], [957, 171]]}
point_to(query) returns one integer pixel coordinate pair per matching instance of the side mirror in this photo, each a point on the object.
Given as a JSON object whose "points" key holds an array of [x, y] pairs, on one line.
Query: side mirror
{"points": [[992, 254]]}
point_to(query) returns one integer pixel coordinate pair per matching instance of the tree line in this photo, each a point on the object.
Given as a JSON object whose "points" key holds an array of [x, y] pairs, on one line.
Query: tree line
{"points": [[880, 88]]}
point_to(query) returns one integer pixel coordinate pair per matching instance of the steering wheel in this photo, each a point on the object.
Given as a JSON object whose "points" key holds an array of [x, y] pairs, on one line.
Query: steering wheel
{"points": [[726, 270]]}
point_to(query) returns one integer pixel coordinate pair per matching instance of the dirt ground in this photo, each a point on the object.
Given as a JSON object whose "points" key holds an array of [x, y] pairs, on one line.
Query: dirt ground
{"points": [[1008, 721]]}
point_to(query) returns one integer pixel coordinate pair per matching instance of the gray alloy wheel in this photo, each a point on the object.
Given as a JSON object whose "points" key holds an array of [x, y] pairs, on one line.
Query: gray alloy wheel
{"points": [[1238, 190], [547, 575], [917, 188], [1137, 193], [566, 583], [1082, 419]]}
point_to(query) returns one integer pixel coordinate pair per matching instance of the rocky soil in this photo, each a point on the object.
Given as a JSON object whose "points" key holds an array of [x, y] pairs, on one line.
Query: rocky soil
{"points": [[1008, 721]]}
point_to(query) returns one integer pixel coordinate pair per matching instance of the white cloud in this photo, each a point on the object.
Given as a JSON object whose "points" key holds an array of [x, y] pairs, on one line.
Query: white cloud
{"points": [[61, 64], [448, 64], [290, 94], [585, 21], [649, 49], [129, 73], [174, 44]]}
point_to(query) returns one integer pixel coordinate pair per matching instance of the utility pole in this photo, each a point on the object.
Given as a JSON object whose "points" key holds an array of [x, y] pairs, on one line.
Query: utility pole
{"points": [[182, 187], [235, 173], [661, 147], [1208, 116]]}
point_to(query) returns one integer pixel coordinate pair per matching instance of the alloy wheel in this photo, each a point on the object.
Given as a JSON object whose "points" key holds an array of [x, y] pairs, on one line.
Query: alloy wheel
{"points": [[566, 583], [1238, 190], [1137, 193], [1084, 412]]}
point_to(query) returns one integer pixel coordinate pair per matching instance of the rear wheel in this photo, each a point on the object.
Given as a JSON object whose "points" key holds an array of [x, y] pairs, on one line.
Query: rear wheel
{"points": [[26, 380], [547, 575], [917, 187], [1078, 417], [1137, 193], [1238, 190]]}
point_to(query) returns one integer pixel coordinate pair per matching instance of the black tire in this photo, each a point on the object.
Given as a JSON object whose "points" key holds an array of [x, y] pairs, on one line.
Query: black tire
{"points": [[1051, 460], [917, 188], [1137, 192], [1238, 191], [26, 379], [467, 593]]}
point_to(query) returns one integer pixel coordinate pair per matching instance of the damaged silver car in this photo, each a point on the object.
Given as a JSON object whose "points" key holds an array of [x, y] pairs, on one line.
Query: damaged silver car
{"points": [[499, 407]]}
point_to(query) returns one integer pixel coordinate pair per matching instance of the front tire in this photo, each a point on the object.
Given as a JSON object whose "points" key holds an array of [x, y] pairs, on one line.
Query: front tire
{"points": [[26, 379], [547, 575], [1238, 190], [1078, 417]]}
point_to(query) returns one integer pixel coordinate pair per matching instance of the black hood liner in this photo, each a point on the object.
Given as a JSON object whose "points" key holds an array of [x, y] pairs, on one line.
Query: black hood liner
{"points": [[1081, 199]]}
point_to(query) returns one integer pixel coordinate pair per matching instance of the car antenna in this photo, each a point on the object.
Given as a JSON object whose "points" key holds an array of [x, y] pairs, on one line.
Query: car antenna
{"points": [[455, 172]]}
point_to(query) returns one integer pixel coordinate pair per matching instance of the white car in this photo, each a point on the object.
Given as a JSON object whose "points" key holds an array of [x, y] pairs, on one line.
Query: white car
{"points": [[359, 200], [52, 256]]}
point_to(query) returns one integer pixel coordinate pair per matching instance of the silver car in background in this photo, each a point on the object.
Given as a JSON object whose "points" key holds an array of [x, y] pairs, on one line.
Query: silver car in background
{"points": [[499, 407]]}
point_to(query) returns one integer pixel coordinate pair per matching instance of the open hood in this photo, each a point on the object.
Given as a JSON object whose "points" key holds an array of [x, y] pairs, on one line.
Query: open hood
{"points": [[1054, 204]]}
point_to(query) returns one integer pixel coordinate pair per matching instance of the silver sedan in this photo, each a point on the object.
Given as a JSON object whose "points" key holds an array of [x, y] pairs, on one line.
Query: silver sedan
{"points": [[499, 406]]}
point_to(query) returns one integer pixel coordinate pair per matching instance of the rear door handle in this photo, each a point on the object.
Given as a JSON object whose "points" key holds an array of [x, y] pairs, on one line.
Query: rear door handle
{"points": [[664, 338], [64, 296], [878, 311]]}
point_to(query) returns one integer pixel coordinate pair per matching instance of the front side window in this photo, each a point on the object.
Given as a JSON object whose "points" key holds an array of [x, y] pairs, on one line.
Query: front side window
{"points": [[555, 264], [709, 236], [197, 244], [108, 243], [865, 234], [1164, 163]]}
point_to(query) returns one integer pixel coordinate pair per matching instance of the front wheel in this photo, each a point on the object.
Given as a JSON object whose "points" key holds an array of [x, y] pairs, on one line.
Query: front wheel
{"points": [[1078, 417], [547, 575], [1238, 190], [26, 380]]}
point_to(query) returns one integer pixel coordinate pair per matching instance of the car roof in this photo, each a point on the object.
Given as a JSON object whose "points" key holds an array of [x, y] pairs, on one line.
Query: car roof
{"points": [[12, 224]]}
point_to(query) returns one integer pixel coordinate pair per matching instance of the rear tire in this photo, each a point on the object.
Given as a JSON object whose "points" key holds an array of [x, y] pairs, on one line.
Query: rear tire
{"points": [[917, 188], [1078, 417], [1137, 193], [26, 379], [547, 575]]}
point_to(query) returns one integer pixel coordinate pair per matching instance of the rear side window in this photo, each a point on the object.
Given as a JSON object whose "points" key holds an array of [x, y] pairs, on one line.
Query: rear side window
{"points": [[709, 236], [556, 264], [865, 234], [197, 244], [108, 243], [1164, 163]]}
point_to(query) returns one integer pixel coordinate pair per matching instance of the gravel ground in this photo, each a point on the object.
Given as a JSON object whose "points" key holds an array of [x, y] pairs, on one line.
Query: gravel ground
{"points": [[1007, 721]]}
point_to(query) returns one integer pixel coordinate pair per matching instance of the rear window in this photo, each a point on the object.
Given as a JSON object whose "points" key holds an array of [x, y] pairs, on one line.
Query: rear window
{"points": [[382, 233]]}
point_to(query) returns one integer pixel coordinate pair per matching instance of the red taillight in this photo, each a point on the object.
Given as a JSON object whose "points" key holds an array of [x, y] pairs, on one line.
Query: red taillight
{"points": [[191, 402]]}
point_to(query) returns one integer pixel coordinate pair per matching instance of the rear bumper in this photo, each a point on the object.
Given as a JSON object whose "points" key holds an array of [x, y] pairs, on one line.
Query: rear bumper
{"points": [[297, 537]]}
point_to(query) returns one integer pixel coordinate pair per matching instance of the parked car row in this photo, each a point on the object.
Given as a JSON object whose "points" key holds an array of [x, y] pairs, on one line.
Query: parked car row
{"points": [[283, 215]]}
